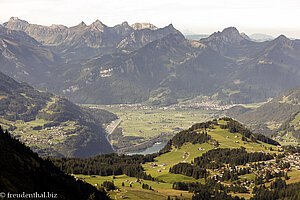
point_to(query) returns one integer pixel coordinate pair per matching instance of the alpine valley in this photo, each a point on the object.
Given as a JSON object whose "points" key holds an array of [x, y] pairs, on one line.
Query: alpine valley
{"points": [[78, 105]]}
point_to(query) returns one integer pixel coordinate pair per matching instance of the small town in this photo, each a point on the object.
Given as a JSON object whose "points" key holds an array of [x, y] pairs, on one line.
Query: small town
{"points": [[204, 105], [46, 136]]}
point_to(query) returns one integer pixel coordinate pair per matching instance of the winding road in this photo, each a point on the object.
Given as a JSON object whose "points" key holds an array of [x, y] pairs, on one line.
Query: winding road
{"points": [[110, 129]]}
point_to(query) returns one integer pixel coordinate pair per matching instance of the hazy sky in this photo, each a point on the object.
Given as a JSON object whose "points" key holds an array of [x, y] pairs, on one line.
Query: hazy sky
{"points": [[190, 16]]}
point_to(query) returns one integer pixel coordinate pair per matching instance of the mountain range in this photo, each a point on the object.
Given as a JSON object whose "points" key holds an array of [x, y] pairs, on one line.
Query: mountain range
{"points": [[142, 63]]}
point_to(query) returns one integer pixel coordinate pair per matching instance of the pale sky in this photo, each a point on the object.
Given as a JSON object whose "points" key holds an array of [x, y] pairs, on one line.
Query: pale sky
{"points": [[272, 17]]}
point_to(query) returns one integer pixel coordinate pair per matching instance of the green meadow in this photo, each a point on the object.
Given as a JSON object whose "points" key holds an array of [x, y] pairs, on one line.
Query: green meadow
{"points": [[149, 123], [160, 191]]}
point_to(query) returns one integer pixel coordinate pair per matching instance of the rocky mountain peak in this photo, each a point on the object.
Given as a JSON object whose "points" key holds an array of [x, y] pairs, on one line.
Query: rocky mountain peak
{"points": [[16, 19], [81, 25], [170, 26], [98, 25], [57, 26], [16, 23], [230, 30], [229, 35], [232, 35], [140, 26], [125, 23], [283, 41], [282, 38], [123, 29]]}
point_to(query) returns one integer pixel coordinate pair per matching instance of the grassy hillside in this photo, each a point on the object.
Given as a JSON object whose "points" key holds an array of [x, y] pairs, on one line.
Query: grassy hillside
{"points": [[225, 138], [49, 124], [223, 135]]}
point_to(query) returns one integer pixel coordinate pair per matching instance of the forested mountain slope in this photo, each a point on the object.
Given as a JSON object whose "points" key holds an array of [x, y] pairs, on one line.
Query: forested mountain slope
{"points": [[49, 124], [277, 117], [24, 171]]}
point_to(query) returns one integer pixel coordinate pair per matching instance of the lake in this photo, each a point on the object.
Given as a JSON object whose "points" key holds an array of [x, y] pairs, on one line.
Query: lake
{"points": [[154, 149]]}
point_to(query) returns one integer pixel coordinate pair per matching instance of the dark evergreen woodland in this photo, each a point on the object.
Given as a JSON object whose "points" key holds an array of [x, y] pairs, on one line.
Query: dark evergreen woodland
{"points": [[24, 171], [216, 158], [279, 190], [106, 165], [210, 190], [236, 127]]}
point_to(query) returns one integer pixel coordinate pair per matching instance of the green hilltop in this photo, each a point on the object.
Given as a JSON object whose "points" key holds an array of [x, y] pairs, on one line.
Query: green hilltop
{"points": [[196, 157]]}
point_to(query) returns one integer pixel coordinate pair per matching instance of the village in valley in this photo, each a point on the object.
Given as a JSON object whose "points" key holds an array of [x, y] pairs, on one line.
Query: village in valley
{"points": [[49, 134], [204, 105]]}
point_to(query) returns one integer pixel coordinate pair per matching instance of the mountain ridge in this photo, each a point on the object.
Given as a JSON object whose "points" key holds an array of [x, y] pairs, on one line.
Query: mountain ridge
{"points": [[272, 117], [145, 65], [95, 35]]}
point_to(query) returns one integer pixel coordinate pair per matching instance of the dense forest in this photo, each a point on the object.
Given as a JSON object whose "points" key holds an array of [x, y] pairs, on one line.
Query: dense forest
{"points": [[232, 157], [278, 190], [216, 158], [236, 127], [210, 190], [192, 136], [22, 170], [189, 170], [106, 165]]}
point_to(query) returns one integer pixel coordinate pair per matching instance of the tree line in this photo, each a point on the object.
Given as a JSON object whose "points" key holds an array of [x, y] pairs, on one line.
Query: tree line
{"points": [[278, 190], [216, 158], [236, 127], [106, 165], [191, 135], [210, 190], [189, 170], [233, 157]]}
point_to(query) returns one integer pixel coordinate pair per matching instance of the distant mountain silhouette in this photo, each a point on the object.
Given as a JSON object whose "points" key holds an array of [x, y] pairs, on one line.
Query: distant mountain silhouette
{"points": [[143, 63]]}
